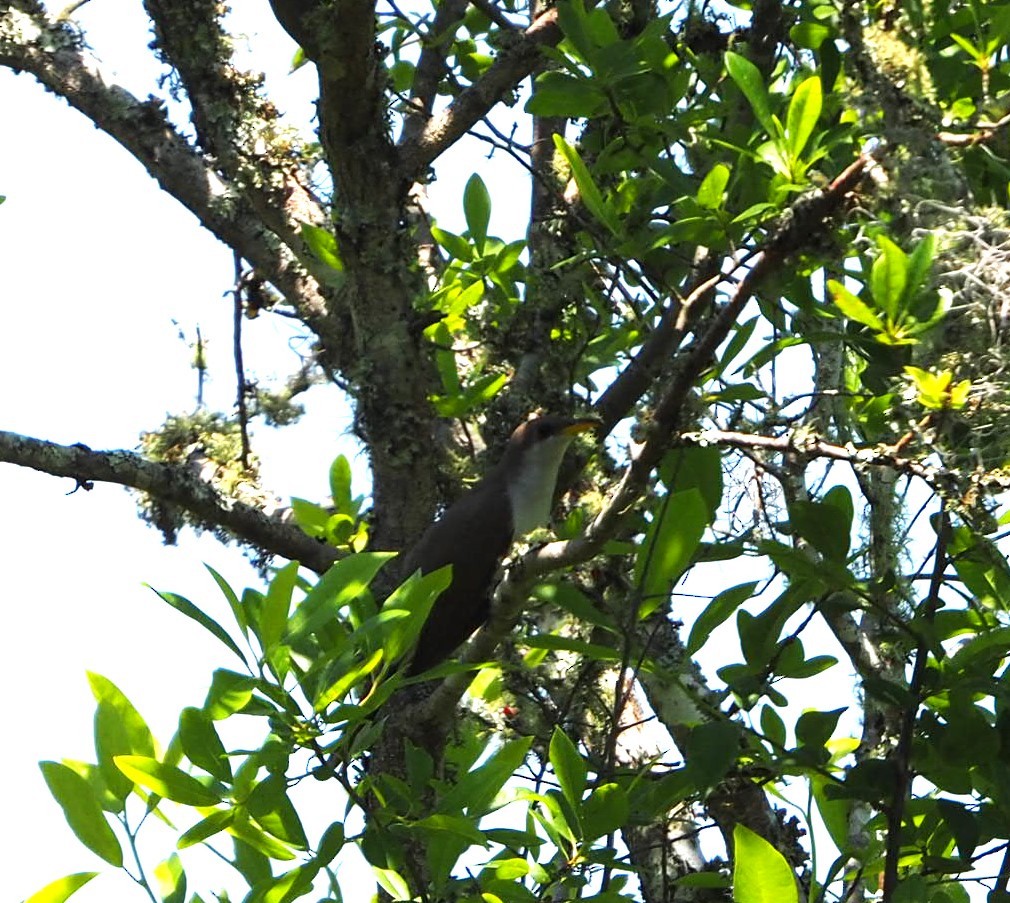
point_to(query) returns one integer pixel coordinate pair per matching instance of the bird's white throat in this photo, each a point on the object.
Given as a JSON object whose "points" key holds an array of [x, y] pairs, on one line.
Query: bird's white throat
{"points": [[531, 486]]}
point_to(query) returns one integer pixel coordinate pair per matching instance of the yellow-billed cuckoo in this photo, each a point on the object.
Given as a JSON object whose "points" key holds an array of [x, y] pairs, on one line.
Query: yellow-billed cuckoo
{"points": [[474, 534]]}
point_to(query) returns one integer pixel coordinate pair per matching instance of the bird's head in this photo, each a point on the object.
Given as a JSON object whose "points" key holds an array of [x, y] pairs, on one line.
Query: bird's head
{"points": [[531, 462]]}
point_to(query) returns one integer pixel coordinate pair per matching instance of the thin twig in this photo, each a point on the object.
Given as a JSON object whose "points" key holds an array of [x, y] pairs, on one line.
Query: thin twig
{"points": [[903, 751], [240, 381]]}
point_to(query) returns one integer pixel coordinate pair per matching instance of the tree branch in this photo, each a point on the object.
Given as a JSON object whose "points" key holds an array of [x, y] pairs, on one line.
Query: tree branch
{"points": [[431, 65], [169, 483], [233, 121], [511, 594], [474, 103], [809, 445], [52, 54]]}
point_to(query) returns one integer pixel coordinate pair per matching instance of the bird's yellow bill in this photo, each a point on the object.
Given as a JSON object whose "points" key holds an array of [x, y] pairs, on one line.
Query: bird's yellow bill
{"points": [[583, 425]]}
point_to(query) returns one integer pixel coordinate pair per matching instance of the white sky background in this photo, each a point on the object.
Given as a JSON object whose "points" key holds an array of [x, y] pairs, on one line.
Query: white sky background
{"points": [[96, 263]]}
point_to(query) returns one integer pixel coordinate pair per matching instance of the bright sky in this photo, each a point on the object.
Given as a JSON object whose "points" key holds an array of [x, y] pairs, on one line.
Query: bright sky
{"points": [[97, 264]]}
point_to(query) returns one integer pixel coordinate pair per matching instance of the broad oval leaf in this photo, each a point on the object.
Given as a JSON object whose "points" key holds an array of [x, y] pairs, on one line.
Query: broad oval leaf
{"points": [[270, 806], [229, 693], [119, 730], [804, 111], [166, 780], [713, 186], [569, 767], [752, 83], [605, 810], [888, 277], [853, 307], [273, 617], [717, 611], [760, 872], [201, 743], [670, 542], [171, 880], [477, 210], [82, 811]]}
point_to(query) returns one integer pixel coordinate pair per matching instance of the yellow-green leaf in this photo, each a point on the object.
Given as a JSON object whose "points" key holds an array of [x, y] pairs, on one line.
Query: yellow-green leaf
{"points": [[166, 780], [62, 888], [761, 873], [82, 811]]}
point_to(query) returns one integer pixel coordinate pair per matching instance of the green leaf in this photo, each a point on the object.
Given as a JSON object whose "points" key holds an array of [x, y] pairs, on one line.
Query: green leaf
{"points": [[456, 826], [673, 536], [569, 766], [414, 597], [215, 823], [93, 775], [741, 336], [920, 262], [167, 781], [238, 612], [187, 608], [804, 111], [202, 745], [854, 308], [392, 883], [809, 35], [477, 210], [274, 615], [712, 750], [559, 93], [332, 842], [229, 693], [834, 813], [761, 873], [695, 468], [964, 826], [826, 527], [888, 277], [712, 189], [573, 21], [772, 726], [339, 586], [457, 246], [565, 594], [171, 880], [717, 611], [588, 189], [82, 811], [814, 728], [62, 888], [595, 651], [605, 811], [261, 842], [323, 245], [119, 730], [340, 485], [477, 789], [270, 806], [752, 83]]}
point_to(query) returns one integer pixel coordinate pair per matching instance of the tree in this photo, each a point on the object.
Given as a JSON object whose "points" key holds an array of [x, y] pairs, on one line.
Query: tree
{"points": [[769, 238]]}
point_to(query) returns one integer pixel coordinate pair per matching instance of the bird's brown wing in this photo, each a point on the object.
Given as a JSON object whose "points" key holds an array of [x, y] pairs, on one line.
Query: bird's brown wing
{"points": [[473, 536]]}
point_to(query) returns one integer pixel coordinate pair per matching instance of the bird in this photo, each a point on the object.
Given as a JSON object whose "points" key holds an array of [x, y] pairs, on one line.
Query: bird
{"points": [[475, 533]]}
